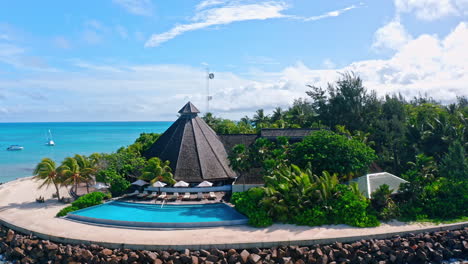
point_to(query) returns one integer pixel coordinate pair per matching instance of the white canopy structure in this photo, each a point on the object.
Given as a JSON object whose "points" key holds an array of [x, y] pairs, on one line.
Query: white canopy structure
{"points": [[205, 184], [100, 185], [139, 183], [159, 184], [371, 182], [181, 184]]}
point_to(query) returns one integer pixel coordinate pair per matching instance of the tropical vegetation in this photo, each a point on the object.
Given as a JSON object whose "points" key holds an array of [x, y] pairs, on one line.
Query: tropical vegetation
{"points": [[116, 169], [296, 196], [423, 141], [87, 200], [419, 139]]}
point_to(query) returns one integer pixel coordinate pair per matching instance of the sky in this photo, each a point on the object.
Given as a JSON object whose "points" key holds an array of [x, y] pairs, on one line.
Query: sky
{"points": [[142, 60]]}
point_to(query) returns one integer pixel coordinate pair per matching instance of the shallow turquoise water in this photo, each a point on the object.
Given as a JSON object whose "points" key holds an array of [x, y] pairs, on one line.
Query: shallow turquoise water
{"points": [[70, 138], [153, 213]]}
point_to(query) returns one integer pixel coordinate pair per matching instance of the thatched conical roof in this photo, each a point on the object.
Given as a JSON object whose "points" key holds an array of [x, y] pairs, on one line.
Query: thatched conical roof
{"points": [[194, 150]]}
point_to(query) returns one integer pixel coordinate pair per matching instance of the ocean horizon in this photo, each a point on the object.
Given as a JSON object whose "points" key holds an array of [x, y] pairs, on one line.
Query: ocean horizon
{"points": [[70, 138]]}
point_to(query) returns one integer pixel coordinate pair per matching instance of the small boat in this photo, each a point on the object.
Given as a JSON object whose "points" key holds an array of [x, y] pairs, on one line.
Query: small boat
{"points": [[15, 147], [50, 142]]}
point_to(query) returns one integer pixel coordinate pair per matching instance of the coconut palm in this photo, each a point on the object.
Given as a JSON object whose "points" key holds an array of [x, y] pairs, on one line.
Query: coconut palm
{"points": [[246, 120], [88, 167], [156, 170], [278, 114], [46, 171], [70, 171], [260, 119]]}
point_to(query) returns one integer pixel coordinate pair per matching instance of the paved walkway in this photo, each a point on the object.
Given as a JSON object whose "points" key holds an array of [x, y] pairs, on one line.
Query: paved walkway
{"points": [[18, 209]]}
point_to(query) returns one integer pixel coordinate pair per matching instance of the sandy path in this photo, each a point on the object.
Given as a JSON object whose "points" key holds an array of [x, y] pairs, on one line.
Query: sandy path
{"points": [[18, 207]]}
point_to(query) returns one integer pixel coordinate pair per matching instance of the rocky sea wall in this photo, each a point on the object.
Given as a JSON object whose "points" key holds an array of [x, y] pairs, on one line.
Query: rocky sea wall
{"points": [[429, 247]]}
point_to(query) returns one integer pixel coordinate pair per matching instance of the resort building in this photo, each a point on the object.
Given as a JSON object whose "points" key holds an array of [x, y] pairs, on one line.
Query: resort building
{"points": [[193, 149], [369, 183], [196, 153]]}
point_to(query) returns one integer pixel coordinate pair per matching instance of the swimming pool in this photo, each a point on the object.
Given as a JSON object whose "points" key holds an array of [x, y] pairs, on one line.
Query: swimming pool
{"points": [[155, 216]]}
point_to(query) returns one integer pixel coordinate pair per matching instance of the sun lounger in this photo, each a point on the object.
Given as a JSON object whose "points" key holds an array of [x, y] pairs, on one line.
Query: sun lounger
{"points": [[174, 196], [131, 194], [211, 196], [199, 196], [162, 196], [152, 195], [143, 195], [186, 196]]}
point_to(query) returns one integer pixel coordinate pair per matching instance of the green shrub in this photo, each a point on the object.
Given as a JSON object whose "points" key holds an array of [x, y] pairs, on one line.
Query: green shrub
{"points": [[335, 153], [67, 210], [383, 203], [118, 184], [89, 199], [248, 203], [348, 208], [315, 216]]}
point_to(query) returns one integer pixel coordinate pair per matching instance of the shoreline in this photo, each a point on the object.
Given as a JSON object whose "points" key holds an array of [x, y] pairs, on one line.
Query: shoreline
{"points": [[423, 247], [17, 206]]}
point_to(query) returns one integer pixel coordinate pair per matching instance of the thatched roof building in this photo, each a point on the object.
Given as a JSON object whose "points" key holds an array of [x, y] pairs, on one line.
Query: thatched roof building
{"points": [[193, 149]]}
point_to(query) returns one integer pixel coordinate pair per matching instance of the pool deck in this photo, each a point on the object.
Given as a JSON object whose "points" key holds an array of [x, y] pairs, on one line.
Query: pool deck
{"points": [[18, 210]]}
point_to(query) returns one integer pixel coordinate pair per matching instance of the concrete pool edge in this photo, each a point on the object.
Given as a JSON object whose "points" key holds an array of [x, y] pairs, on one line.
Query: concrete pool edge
{"points": [[128, 224], [155, 225], [225, 246]]}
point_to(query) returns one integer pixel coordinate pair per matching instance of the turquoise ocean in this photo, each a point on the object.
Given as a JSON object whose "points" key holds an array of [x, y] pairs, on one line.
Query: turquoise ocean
{"points": [[70, 138]]}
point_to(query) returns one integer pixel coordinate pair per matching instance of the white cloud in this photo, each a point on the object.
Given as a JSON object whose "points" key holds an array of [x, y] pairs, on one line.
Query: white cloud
{"points": [[122, 31], [221, 16], [391, 36], [328, 64], [95, 25], [10, 54], [139, 36], [230, 12], [209, 3], [91, 37], [4, 37], [137, 7], [260, 60], [334, 13], [94, 67], [61, 42], [428, 64], [431, 9]]}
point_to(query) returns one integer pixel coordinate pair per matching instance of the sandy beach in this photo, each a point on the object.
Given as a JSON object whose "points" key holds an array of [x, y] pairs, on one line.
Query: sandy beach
{"points": [[18, 208]]}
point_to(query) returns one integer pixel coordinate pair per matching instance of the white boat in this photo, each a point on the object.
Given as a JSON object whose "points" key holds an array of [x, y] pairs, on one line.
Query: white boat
{"points": [[15, 147], [50, 142]]}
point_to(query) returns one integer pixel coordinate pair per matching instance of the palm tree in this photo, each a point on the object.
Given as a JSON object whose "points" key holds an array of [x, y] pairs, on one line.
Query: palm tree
{"points": [[278, 114], [88, 167], [46, 171], [260, 119], [246, 120], [70, 171], [211, 120], [156, 170]]}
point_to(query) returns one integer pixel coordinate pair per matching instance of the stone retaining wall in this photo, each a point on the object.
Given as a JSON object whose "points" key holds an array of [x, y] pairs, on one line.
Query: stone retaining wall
{"points": [[411, 248]]}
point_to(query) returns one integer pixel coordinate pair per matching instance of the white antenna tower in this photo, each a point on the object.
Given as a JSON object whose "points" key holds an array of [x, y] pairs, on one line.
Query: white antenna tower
{"points": [[209, 76]]}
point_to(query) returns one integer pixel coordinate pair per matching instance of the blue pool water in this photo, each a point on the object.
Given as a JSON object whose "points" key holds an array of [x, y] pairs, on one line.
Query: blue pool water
{"points": [[70, 138], [152, 215]]}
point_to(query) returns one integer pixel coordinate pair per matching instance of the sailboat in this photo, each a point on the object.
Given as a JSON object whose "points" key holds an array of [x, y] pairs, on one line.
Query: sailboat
{"points": [[15, 147], [50, 142]]}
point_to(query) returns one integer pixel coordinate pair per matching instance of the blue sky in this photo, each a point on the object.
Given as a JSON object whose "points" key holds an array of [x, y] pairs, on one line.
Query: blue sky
{"points": [[142, 59]]}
